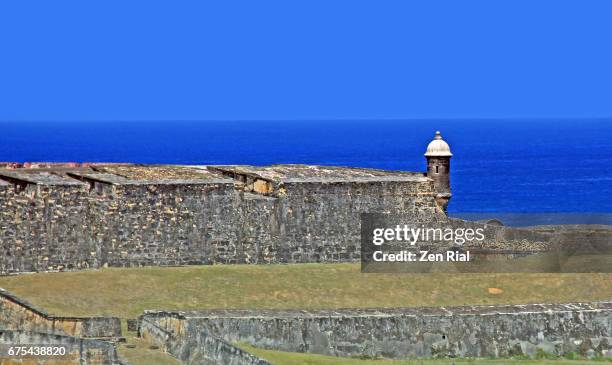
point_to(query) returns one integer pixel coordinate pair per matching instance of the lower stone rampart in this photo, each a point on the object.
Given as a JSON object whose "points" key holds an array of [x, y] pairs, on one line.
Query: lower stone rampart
{"points": [[198, 348], [16, 314], [213, 350], [481, 331], [79, 351]]}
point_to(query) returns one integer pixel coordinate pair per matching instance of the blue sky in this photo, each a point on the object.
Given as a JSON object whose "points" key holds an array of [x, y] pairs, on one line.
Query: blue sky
{"points": [[197, 60]]}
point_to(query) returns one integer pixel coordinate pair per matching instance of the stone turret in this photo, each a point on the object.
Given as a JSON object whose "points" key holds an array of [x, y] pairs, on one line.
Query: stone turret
{"points": [[438, 156]]}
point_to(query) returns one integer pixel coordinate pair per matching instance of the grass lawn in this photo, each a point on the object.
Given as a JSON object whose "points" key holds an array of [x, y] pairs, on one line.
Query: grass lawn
{"points": [[127, 292], [139, 352], [292, 358]]}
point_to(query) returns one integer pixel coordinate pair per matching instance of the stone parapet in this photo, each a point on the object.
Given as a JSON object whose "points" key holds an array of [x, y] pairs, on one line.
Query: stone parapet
{"points": [[71, 218], [16, 314], [474, 331]]}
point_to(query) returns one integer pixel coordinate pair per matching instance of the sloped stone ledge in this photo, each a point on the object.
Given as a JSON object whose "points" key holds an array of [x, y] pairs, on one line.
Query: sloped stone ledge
{"points": [[17, 314], [199, 348]]}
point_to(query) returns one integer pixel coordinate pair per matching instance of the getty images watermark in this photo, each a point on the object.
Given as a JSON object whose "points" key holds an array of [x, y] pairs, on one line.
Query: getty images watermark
{"points": [[400, 243], [412, 235]]}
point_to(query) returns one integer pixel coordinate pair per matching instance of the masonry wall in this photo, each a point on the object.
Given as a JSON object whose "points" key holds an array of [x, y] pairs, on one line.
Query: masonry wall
{"points": [[198, 348], [16, 314], [55, 227], [44, 227], [163, 224], [492, 331], [319, 222], [79, 351]]}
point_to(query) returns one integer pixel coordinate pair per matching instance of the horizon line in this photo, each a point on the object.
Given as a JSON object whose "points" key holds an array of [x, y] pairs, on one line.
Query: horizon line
{"points": [[315, 119]]}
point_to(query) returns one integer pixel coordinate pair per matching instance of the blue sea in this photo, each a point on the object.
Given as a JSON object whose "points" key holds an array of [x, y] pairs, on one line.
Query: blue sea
{"points": [[498, 165]]}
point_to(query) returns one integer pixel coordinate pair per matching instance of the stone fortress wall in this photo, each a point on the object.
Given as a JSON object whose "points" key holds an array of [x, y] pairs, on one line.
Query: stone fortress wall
{"points": [[478, 331], [79, 351], [18, 315], [75, 217], [78, 217], [72, 216], [87, 340]]}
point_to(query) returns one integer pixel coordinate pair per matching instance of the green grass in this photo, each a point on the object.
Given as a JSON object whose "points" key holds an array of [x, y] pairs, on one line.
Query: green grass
{"points": [[127, 292], [293, 358], [139, 352]]}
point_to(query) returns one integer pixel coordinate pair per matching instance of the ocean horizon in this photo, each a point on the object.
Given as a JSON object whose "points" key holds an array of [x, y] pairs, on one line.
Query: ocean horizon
{"points": [[499, 165]]}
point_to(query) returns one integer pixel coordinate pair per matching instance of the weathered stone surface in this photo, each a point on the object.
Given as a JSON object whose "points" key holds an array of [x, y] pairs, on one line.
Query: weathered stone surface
{"points": [[132, 325], [16, 314], [198, 347], [79, 351], [126, 215], [480, 331]]}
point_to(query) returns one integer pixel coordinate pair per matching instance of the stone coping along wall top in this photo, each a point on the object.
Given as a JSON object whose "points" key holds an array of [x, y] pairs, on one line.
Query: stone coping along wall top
{"points": [[39, 178], [120, 174], [481, 310], [314, 173], [110, 174]]}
